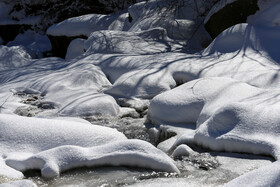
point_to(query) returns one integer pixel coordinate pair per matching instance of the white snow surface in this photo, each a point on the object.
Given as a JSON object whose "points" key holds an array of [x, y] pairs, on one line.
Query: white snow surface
{"points": [[229, 92], [222, 109], [82, 25], [75, 48], [265, 176], [35, 44], [56, 145], [145, 42]]}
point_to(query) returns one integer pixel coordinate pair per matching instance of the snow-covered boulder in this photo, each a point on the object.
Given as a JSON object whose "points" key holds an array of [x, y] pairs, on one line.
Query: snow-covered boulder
{"points": [[61, 34], [229, 115], [13, 57], [54, 146], [181, 19], [145, 42], [35, 44], [75, 48]]}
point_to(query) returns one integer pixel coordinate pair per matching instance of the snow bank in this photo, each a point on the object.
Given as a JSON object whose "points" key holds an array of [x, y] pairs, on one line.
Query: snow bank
{"points": [[229, 115], [54, 146]]}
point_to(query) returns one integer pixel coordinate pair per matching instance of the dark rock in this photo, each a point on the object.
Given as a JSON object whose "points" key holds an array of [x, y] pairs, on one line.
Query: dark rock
{"points": [[229, 15], [61, 43], [9, 32]]}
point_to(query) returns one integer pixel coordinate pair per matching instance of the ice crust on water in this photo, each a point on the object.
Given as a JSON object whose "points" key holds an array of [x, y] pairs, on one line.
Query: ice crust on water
{"points": [[21, 183], [54, 146]]}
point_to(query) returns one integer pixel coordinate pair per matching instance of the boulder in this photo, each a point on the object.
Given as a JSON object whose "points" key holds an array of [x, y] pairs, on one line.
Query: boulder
{"points": [[224, 15]]}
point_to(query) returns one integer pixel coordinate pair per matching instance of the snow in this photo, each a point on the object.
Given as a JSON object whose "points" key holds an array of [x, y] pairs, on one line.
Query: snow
{"points": [[35, 44], [81, 26], [145, 42], [265, 176], [56, 145], [75, 48], [224, 98], [222, 108], [268, 17], [13, 57]]}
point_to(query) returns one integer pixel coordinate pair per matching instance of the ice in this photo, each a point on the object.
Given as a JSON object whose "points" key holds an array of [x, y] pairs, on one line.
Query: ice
{"points": [[21, 183], [54, 146]]}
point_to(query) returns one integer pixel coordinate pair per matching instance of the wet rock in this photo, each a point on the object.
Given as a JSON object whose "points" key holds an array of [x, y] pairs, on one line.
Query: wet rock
{"points": [[231, 14], [61, 43], [10, 31]]}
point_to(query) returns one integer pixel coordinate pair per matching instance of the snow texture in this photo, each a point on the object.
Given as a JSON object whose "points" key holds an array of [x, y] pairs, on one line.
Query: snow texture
{"points": [[81, 26], [75, 48], [222, 109], [54, 146], [34, 43], [228, 93], [265, 176]]}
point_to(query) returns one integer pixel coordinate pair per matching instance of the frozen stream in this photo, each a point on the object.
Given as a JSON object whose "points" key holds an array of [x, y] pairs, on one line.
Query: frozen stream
{"points": [[202, 169]]}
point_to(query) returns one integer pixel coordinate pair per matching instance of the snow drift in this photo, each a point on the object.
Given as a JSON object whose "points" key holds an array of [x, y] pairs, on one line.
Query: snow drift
{"points": [[54, 146]]}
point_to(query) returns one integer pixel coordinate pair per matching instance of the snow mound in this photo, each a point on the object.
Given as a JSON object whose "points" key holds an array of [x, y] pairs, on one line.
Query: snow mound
{"points": [[268, 15], [13, 57], [82, 25], [145, 42], [143, 84], [265, 176], [75, 48], [56, 83], [229, 115], [35, 43], [59, 145]]}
